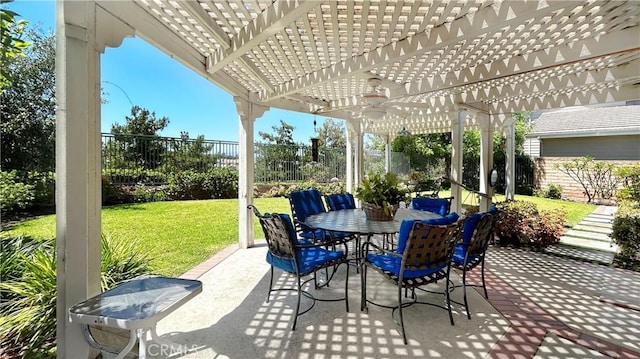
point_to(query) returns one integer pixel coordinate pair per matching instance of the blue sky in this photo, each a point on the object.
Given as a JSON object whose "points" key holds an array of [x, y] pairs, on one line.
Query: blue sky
{"points": [[153, 80]]}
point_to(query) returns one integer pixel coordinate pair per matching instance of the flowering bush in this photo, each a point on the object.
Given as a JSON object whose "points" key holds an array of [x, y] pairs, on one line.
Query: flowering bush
{"points": [[520, 223]]}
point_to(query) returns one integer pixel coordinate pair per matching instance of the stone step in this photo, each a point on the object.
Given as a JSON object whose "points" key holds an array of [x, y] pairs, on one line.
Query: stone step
{"points": [[592, 218], [601, 237], [590, 244], [584, 254], [587, 228], [600, 216], [596, 224]]}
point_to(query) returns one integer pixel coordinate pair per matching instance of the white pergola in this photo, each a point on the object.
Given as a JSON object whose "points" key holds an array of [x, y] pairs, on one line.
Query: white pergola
{"points": [[443, 66]]}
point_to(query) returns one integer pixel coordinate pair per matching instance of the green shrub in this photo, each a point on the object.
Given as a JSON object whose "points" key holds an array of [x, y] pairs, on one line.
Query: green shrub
{"points": [[28, 288], [44, 188], [520, 223], [553, 191], [14, 193], [626, 233], [114, 194], [217, 183], [134, 175], [142, 193], [631, 179], [284, 189]]}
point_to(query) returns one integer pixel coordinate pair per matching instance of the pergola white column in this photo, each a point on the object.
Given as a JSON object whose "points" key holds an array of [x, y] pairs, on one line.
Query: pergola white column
{"points": [[486, 162], [457, 130], [355, 154], [387, 153], [510, 159], [248, 112], [83, 30], [349, 163], [359, 156]]}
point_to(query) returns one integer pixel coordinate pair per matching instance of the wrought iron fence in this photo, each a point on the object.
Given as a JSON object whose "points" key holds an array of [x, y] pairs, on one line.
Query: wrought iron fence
{"points": [[132, 159]]}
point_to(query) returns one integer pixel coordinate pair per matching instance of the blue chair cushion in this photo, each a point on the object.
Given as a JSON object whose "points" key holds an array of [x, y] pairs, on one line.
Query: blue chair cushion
{"points": [[470, 224], [407, 224], [306, 203], [392, 264], [340, 201], [308, 259], [435, 205], [459, 253]]}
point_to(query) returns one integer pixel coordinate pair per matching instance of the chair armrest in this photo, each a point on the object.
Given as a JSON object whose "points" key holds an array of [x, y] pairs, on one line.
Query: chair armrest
{"points": [[366, 245]]}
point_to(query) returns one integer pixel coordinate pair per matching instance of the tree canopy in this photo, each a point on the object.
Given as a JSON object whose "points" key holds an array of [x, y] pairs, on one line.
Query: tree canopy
{"points": [[13, 43], [332, 134], [28, 106]]}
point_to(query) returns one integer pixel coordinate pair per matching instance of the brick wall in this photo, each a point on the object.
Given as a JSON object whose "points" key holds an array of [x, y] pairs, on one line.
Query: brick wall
{"points": [[546, 173]]}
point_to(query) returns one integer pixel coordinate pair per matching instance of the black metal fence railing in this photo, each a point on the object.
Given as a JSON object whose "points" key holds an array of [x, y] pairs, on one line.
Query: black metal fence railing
{"points": [[132, 159]]}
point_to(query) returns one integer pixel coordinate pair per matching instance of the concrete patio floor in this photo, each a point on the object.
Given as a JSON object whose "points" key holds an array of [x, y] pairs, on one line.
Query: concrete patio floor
{"points": [[540, 306]]}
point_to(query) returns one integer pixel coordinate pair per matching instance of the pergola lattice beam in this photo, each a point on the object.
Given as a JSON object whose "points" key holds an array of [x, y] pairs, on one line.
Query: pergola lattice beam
{"points": [[160, 36], [468, 27], [275, 18], [619, 42], [207, 22]]}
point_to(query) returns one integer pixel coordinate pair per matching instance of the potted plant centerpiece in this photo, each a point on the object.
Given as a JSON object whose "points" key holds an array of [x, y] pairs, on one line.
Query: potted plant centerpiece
{"points": [[381, 195]]}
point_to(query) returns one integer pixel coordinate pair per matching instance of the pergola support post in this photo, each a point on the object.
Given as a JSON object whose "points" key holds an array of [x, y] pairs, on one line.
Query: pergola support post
{"points": [[78, 180], [510, 159], [457, 132], [387, 153], [248, 112], [349, 163], [486, 163]]}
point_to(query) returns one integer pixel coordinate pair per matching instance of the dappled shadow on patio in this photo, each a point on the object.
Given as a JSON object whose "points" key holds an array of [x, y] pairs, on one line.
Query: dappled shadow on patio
{"points": [[540, 294], [231, 319]]}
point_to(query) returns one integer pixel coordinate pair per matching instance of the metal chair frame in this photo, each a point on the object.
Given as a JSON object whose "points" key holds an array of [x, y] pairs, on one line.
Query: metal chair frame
{"points": [[428, 246], [283, 246]]}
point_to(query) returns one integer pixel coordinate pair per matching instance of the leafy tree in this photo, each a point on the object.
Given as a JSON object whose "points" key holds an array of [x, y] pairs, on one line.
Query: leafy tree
{"points": [[190, 154], [332, 135], [278, 159], [283, 135], [13, 45], [374, 142], [137, 142], [425, 151], [597, 178], [27, 105]]}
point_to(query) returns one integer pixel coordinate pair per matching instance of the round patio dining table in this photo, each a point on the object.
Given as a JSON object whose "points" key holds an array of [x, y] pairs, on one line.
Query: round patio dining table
{"points": [[354, 221]]}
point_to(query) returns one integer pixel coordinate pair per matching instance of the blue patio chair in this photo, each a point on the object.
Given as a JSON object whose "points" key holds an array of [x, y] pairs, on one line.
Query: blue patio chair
{"points": [[340, 201], [470, 252], [440, 206], [306, 203], [299, 258], [423, 256]]}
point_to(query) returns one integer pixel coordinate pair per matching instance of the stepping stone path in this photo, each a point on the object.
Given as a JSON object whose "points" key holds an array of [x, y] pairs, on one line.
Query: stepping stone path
{"points": [[589, 239]]}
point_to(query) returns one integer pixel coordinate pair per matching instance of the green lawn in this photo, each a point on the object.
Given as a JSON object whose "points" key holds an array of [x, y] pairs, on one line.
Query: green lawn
{"points": [[179, 235]]}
